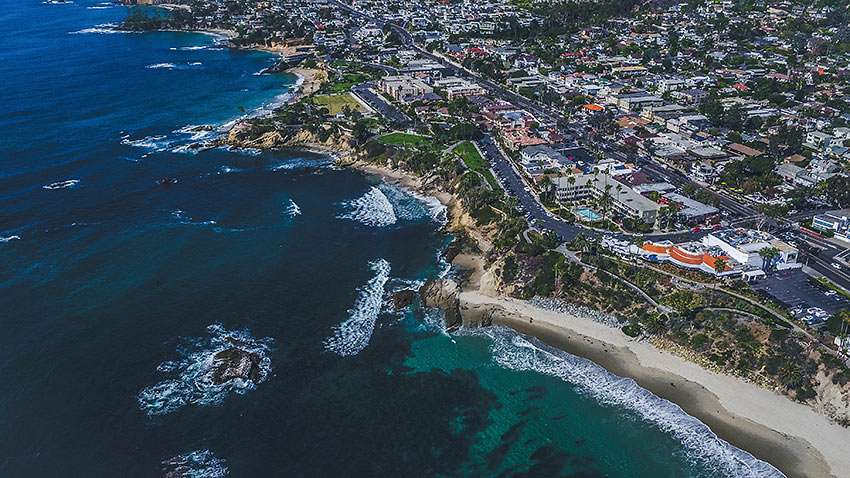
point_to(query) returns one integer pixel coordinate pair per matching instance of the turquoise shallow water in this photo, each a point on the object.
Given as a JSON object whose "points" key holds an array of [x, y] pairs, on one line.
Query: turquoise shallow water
{"points": [[115, 290]]}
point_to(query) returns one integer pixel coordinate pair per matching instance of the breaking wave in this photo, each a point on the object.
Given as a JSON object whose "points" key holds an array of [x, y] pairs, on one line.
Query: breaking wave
{"points": [[161, 66], [386, 204], [69, 183], [192, 380], [372, 209], [352, 336], [195, 464], [154, 143], [10, 238], [183, 218], [516, 352], [412, 206], [102, 29], [293, 164], [188, 48], [292, 209]]}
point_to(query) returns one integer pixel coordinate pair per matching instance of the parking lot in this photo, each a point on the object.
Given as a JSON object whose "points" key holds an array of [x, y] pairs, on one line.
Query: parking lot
{"points": [[388, 111], [793, 289]]}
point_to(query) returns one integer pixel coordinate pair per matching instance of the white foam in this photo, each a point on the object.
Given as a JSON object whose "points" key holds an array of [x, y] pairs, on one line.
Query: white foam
{"points": [[163, 66], [154, 143], [372, 209], [352, 336], [516, 352], [10, 238], [193, 383], [188, 48], [195, 464], [412, 206], [292, 164], [184, 218], [102, 29], [194, 63], [68, 183], [291, 209]]}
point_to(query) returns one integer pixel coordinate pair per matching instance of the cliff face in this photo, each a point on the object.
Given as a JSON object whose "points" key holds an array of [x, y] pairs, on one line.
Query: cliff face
{"points": [[243, 135], [443, 294]]}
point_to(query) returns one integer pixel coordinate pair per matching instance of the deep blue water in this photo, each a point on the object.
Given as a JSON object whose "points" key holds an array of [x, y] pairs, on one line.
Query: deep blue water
{"points": [[114, 290]]}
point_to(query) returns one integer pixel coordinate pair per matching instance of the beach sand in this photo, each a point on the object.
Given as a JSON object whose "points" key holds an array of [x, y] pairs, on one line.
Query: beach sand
{"points": [[789, 435], [311, 80]]}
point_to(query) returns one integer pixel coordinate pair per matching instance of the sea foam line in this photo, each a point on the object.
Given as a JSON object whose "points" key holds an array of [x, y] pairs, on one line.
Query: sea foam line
{"points": [[292, 209], [516, 352], [195, 464], [352, 336], [371, 209], [68, 183]]}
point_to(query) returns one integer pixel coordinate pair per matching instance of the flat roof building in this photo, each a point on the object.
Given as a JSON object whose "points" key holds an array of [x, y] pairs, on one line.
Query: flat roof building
{"points": [[624, 199]]}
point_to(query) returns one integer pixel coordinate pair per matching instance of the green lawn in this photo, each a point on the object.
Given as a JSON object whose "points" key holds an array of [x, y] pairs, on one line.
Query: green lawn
{"points": [[347, 81], [336, 103], [473, 160], [405, 139]]}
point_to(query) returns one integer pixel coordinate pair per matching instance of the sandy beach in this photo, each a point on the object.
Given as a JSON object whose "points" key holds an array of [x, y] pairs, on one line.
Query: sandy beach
{"points": [[789, 435], [311, 80]]}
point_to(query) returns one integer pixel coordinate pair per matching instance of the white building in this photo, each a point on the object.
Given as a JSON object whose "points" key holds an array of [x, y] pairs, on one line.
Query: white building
{"points": [[404, 88], [458, 87], [624, 200], [743, 245]]}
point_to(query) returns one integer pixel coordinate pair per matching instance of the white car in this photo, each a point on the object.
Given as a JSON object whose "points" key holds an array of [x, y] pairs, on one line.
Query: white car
{"points": [[836, 265]]}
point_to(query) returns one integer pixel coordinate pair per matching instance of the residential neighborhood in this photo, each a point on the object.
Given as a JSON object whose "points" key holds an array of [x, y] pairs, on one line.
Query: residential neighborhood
{"points": [[707, 142]]}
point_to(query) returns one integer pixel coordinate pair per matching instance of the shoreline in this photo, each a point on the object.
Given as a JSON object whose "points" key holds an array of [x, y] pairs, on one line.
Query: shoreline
{"points": [[788, 435]]}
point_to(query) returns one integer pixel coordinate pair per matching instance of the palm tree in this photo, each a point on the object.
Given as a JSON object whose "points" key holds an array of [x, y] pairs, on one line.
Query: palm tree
{"points": [[844, 315], [580, 243], [546, 188], [768, 254], [605, 201], [720, 266]]}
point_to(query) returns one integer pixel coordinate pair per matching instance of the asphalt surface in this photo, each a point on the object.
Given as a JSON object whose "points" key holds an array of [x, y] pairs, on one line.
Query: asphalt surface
{"points": [[514, 184], [794, 289], [390, 112]]}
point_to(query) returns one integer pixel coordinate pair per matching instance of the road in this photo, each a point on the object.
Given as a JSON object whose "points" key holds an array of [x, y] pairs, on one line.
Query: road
{"points": [[512, 181], [514, 184]]}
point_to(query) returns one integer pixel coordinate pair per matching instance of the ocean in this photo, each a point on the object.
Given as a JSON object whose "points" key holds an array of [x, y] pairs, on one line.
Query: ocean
{"points": [[115, 290]]}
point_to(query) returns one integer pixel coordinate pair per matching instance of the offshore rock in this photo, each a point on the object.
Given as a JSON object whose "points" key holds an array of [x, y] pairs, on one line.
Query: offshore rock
{"points": [[235, 363], [403, 298]]}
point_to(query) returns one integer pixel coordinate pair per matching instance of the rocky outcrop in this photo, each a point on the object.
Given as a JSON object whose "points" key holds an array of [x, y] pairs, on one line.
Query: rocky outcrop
{"points": [[403, 298], [444, 294], [243, 135], [452, 251], [233, 363], [485, 315]]}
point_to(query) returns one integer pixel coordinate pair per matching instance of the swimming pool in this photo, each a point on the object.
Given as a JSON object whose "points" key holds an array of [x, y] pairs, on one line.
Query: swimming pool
{"points": [[588, 214]]}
